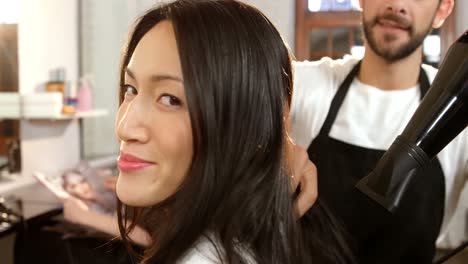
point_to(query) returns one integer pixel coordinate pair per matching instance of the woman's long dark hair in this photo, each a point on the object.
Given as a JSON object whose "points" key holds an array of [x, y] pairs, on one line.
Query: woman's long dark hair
{"points": [[238, 80]]}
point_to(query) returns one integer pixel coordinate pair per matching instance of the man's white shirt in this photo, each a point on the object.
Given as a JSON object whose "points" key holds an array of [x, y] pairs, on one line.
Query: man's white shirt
{"points": [[369, 117]]}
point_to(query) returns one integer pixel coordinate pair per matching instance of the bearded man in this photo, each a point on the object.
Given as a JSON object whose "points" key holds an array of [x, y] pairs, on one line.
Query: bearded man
{"points": [[347, 112]]}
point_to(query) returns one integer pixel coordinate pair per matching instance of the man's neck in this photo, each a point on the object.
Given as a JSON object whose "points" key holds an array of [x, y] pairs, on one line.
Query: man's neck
{"points": [[398, 75]]}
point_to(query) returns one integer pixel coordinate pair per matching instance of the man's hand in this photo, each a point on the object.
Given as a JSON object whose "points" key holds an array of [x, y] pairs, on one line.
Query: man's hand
{"points": [[304, 176]]}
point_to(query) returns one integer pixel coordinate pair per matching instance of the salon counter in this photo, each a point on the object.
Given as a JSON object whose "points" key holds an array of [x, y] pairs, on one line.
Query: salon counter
{"points": [[35, 201], [35, 198]]}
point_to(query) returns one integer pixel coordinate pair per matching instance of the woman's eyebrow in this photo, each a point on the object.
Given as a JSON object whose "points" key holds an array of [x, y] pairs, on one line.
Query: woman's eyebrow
{"points": [[156, 77], [165, 77]]}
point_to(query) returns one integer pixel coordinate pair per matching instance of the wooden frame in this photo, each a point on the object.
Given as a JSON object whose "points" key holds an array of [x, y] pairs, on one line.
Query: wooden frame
{"points": [[8, 57], [307, 21]]}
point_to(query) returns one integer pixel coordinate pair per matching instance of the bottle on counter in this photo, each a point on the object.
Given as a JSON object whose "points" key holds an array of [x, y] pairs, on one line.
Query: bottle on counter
{"points": [[85, 100], [70, 98], [56, 81]]}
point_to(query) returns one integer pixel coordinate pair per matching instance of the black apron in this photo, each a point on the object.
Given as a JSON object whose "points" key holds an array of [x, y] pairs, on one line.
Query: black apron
{"points": [[377, 236]]}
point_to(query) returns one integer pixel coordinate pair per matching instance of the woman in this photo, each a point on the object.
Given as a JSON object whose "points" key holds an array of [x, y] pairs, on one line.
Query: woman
{"points": [[205, 92]]}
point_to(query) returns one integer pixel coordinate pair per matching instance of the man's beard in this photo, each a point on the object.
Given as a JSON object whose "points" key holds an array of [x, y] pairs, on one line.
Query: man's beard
{"points": [[397, 53]]}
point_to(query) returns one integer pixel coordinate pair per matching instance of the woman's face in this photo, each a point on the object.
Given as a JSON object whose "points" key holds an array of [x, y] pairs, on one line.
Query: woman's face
{"points": [[78, 186], [153, 123]]}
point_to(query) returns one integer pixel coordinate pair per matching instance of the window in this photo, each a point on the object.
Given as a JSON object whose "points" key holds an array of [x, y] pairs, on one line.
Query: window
{"points": [[327, 28], [332, 5]]}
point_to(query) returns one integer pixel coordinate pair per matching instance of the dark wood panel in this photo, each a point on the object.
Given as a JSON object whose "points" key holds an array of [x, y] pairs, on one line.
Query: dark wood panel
{"points": [[8, 57], [9, 129]]}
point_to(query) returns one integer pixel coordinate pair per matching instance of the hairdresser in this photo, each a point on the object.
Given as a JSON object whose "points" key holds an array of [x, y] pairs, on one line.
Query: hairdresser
{"points": [[347, 112]]}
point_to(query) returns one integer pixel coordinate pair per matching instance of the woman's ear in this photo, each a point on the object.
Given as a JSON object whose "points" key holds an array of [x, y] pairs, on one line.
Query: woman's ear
{"points": [[443, 11]]}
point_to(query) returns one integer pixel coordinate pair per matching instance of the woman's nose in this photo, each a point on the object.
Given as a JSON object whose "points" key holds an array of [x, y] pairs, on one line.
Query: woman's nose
{"points": [[130, 123]]}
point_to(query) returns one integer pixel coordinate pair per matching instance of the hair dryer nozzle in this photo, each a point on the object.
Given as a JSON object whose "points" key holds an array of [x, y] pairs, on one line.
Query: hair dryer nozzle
{"points": [[387, 183]]}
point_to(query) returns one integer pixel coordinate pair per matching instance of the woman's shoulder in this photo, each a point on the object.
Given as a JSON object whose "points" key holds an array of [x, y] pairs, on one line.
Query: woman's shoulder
{"points": [[205, 251]]}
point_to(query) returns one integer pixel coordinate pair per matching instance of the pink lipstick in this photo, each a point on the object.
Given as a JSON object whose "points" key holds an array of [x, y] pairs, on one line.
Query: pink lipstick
{"points": [[127, 162]]}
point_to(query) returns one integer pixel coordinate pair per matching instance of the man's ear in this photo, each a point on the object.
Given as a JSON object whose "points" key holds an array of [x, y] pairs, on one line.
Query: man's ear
{"points": [[443, 11]]}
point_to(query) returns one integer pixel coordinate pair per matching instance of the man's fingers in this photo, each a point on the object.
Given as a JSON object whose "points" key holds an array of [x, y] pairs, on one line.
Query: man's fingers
{"points": [[308, 192], [304, 174], [298, 163]]}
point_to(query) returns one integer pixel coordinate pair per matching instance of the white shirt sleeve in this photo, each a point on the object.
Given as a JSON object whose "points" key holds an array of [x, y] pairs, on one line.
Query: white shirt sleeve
{"points": [[206, 251], [315, 84], [197, 258]]}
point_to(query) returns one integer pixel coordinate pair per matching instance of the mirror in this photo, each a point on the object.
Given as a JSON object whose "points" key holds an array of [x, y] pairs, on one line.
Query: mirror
{"points": [[102, 36]]}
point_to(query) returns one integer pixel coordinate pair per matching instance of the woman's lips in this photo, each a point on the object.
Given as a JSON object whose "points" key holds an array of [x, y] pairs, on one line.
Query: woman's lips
{"points": [[128, 162]]}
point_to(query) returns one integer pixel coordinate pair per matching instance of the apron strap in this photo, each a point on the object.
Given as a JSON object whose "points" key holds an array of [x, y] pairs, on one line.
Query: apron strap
{"points": [[424, 83], [338, 100]]}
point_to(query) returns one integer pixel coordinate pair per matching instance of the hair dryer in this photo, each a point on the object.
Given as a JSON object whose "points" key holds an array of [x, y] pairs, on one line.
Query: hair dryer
{"points": [[441, 116]]}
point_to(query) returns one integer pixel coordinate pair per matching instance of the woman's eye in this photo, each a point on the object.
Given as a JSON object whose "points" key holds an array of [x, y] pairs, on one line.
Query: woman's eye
{"points": [[170, 100], [129, 90]]}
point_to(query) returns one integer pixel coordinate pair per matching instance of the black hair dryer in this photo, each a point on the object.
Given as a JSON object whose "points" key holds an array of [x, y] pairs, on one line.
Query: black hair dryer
{"points": [[441, 116]]}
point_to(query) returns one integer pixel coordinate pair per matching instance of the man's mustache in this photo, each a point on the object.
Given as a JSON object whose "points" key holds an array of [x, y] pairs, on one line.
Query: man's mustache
{"points": [[400, 21]]}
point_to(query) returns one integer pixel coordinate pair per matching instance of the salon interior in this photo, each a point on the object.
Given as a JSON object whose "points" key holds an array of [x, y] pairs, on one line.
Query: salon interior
{"points": [[59, 62]]}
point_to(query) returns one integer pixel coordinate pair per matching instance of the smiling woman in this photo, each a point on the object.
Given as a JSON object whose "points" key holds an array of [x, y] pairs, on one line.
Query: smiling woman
{"points": [[205, 92], [153, 121]]}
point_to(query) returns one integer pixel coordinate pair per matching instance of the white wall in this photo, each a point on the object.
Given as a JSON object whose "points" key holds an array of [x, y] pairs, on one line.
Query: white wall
{"points": [[47, 38], [281, 13], [462, 16]]}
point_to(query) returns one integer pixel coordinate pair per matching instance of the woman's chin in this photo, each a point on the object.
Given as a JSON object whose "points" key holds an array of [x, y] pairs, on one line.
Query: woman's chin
{"points": [[128, 198], [133, 198], [141, 194]]}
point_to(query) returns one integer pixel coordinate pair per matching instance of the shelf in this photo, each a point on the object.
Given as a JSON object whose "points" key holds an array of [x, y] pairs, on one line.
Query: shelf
{"points": [[76, 115]]}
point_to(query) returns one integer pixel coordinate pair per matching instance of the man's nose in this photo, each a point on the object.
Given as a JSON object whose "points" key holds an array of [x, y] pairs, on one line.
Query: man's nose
{"points": [[396, 6]]}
